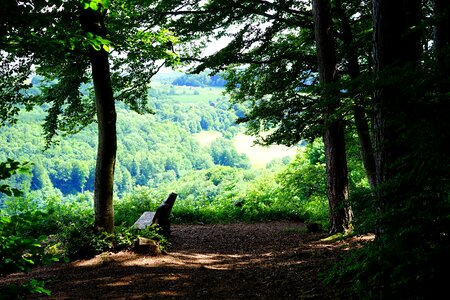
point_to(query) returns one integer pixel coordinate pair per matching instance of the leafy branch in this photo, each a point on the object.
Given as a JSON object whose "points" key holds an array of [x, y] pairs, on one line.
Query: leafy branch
{"points": [[9, 168]]}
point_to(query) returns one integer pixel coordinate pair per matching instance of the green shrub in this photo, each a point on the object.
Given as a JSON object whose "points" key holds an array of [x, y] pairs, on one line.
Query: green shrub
{"points": [[21, 245], [9, 168], [16, 291], [21, 250], [81, 240], [223, 194]]}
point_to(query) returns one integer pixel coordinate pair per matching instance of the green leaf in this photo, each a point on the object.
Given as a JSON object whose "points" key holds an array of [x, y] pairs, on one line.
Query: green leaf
{"points": [[93, 5], [106, 3], [28, 260], [106, 48], [102, 40]]}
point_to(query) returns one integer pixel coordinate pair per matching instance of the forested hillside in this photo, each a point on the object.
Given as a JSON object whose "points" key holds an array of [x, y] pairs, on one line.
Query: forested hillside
{"points": [[152, 148]]}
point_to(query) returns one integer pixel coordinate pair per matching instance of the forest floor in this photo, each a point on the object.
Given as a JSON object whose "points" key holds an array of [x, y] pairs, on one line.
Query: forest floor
{"points": [[276, 260]]}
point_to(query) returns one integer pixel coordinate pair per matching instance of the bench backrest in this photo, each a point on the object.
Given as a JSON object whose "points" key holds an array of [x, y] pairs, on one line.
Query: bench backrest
{"points": [[160, 217]]}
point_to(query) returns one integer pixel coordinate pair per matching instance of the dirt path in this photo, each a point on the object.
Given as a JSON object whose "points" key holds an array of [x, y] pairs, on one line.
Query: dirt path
{"points": [[277, 260]]}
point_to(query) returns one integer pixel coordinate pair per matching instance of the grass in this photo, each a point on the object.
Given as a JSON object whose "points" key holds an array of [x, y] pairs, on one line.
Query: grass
{"points": [[188, 94], [259, 155], [197, 94]]}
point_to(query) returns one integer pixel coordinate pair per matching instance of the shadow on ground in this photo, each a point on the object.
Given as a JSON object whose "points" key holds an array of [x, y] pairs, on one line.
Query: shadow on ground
{"points": [[277, 260]]}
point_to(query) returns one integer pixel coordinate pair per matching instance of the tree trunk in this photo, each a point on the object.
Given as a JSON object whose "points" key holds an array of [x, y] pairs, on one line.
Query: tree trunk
{"points": [[107, 142], [397, 50], [92, 21], [395, 46], [441, 45], [360, 118], [340, 214], [365, 143]]}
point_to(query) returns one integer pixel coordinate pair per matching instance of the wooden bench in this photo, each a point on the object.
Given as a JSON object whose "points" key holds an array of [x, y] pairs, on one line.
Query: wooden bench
{"points": [[159, 217]]}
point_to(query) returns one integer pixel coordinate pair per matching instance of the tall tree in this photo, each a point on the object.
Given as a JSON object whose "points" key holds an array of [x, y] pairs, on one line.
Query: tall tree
{"points": [[92, 21], [352, 55], [68, 43], [411, 129], [397, 49], [441, 32], [334, 140]]}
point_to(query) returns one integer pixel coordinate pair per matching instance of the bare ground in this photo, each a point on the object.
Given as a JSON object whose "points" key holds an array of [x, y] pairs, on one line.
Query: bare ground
{"points": [[277, 260]]}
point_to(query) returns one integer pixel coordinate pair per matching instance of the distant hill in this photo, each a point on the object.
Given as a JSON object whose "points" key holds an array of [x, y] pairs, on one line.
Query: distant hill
{"points": [[152, 149]]}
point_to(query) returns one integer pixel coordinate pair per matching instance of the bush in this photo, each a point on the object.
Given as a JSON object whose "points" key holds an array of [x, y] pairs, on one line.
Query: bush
{"points": [[81, 240], [14, 291], [21, 246], [224, 194], [21, 250]]}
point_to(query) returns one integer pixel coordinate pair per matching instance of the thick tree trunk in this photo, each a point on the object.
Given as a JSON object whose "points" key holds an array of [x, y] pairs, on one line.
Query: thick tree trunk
{"points": [[340, 213], [397, 50], [395, 46], [441, 46], [106, 118]]}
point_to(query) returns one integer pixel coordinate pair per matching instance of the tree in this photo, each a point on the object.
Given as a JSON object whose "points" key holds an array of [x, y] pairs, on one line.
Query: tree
{"points": [[62, 40], [334, 140], [40, 177], [395, 47], [223, 153], [441, 41], [354, 50], [396, 51], [92, 22], [410, 129]]}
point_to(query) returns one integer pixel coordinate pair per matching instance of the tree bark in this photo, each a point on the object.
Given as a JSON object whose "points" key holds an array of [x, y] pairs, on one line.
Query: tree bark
{"points": [[397, 51], [107, 142], [92, 21], [365, 143], [340, 213], [395, 46]]}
